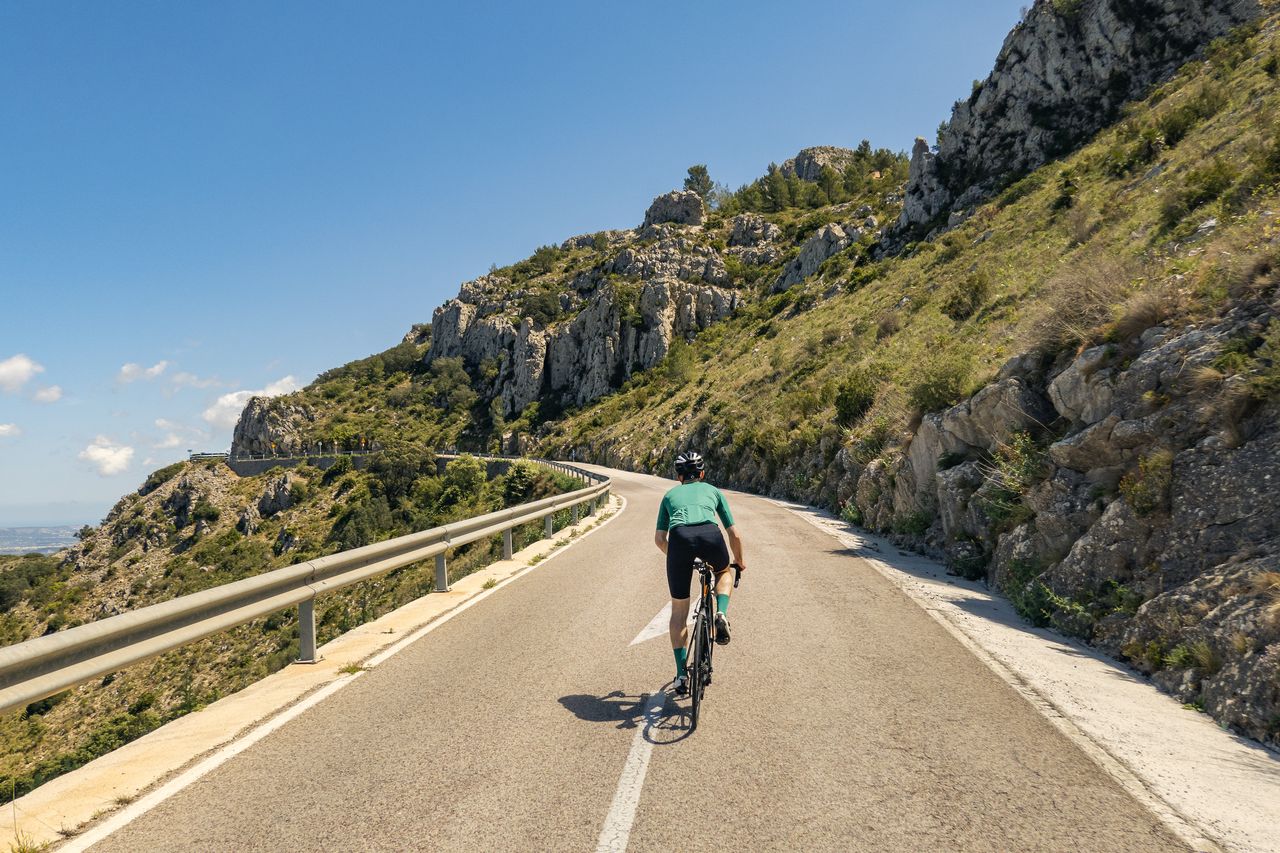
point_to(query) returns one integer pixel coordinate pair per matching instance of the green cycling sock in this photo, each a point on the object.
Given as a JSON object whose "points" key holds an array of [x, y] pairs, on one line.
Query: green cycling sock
{"points": [[722, 602], [682, 656]]}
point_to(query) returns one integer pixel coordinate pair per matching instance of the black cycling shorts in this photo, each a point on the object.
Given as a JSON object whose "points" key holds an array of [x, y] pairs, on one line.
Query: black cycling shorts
{"points": [[687, 542]]}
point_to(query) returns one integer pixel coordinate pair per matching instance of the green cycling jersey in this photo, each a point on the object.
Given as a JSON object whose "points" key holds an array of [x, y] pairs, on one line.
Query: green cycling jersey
{"points": [[693, 502]]}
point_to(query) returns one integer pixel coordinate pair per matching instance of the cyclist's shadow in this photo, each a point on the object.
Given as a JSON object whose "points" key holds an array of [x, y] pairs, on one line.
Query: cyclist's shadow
{"points": [[664, 719]]}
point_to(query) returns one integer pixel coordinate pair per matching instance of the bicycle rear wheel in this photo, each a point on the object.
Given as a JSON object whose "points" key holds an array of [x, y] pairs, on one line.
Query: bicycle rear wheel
{"points": [[698, 665]]}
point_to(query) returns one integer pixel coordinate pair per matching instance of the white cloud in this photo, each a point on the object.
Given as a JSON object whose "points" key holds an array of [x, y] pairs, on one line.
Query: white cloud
{"points": [[51, 394], [190, 380], [107, 456], [226, 411], [176, 433], [132, 372], [17, 371], [10, 431]]}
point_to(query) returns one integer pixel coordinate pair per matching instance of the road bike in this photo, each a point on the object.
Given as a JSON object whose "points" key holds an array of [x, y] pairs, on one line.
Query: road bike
{"points": [[701, 640]]}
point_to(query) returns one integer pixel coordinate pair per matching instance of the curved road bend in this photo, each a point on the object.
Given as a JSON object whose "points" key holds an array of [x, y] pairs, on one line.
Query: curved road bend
{"points": [[841, 718]]}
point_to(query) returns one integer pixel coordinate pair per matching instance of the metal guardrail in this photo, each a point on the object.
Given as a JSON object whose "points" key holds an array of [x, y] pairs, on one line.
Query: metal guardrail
{"points": [[43, 666]]}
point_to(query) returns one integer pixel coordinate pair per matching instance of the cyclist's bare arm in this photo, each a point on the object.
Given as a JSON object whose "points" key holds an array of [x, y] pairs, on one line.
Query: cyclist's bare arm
{"points": [[660, 539], [735, 545]]}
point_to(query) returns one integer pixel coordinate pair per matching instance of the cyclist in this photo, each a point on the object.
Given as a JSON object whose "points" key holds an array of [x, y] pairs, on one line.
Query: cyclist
{"points": [[687, 530]]}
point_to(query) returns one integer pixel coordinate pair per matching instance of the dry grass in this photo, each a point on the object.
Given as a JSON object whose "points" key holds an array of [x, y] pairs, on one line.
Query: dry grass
{"points": [[1205, 657], [1241, 643], [1232, 408], [1081, 225], [888, 323], [1079, 299], [1255, 275], [1204, 379], [1267, 583], [1146, 309]]}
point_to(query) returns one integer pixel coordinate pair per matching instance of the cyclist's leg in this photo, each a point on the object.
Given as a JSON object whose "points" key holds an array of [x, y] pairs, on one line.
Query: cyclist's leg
{"points": [[679, 628], [679, 574], [713, 549]]}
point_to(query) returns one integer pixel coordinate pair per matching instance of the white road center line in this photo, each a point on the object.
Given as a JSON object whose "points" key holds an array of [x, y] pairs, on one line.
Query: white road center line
{"points": [[622, 814]]}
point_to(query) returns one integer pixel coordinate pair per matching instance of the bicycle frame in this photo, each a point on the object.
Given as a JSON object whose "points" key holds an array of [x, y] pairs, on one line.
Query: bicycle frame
{"points": [[701, 644]]}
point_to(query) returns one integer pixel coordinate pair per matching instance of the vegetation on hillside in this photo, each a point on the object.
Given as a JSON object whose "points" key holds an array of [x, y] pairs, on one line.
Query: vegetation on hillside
{"points": [[1165, 218], [185, 530]]}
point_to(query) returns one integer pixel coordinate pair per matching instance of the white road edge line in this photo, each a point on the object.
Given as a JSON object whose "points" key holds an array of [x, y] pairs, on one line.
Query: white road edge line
{"points": [[616, 832], [1174, 821], [149, 801]]}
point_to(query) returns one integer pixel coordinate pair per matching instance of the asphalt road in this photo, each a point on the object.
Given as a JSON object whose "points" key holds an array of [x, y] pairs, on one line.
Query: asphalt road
{"points": [[841, 718]]}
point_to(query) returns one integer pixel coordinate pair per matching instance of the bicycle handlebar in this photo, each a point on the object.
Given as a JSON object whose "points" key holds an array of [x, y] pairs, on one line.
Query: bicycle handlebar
{"points": [[737, 574]]}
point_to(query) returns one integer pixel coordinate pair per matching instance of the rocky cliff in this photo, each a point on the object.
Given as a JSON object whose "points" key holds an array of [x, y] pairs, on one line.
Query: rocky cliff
{"points": [[1061, 76], [649, 287]]}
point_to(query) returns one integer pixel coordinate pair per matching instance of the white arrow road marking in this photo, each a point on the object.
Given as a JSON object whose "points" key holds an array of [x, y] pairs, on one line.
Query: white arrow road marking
{"points": [[656, 627], [659, 625], [622, 814]]}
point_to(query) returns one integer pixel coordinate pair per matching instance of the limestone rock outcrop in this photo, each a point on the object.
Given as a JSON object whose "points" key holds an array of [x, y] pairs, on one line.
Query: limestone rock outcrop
{"points": [[279, 494], [1059, 78], [682, 207], [808, 164], [622, 327], [825, 242], [271, 425]]}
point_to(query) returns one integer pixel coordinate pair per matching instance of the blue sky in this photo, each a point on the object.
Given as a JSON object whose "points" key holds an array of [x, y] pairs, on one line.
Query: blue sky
{"points": [[200, 200]]}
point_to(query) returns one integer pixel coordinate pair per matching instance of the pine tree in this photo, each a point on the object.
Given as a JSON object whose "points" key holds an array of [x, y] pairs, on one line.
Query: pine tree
{"points": [[699, 181]]}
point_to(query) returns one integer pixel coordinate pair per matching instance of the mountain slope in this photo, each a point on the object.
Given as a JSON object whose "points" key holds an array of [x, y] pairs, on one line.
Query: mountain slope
{"points": [[1070, 391]]}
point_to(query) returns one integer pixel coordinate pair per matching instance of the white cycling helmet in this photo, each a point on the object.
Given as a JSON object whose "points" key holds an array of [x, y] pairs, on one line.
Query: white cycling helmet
{"points": [[689, 463]]}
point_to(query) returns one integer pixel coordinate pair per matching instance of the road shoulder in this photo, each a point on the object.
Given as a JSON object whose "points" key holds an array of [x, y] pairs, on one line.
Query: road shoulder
{"points": [[1213, 789]]}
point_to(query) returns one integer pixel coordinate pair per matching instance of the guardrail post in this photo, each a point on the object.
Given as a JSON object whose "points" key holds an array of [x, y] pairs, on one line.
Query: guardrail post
{"points": [[307, 631], [442, 574], [549, 526], [507, 550], [574, 515]]}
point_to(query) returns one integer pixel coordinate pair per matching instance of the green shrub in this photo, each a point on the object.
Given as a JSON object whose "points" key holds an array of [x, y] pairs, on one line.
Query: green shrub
{"points": [[962, 299], [1176, 123], [204, 511], [543, 308], [1146, 488], [855, 396], [1067, 189], [912, 524], [941, 383], [1030, 597], [1179, 657], [1200, 186], [341, 465], [159, 477], [849, 512], [1018, 464], [27, 576], [1205, 657]]}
